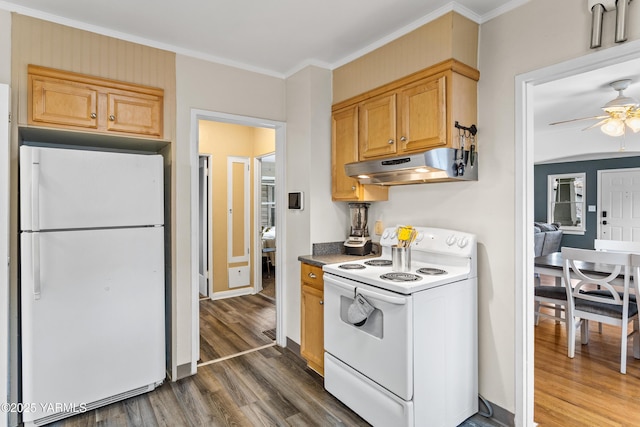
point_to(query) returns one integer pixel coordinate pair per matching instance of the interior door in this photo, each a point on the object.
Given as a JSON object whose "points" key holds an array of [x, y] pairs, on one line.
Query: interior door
{"points": [[204, 213], [619, 216]]}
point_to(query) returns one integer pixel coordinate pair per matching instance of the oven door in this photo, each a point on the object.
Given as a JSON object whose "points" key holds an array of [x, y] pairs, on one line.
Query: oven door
{"points": [[382, 348]]}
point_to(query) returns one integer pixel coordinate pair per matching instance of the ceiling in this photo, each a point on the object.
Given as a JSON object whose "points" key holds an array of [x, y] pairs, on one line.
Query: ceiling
{"points": [[582, 96], [275, 37]]}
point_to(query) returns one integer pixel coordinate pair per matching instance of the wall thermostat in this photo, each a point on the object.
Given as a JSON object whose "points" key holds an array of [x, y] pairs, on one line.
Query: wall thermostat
{"points": [[296, 201]]}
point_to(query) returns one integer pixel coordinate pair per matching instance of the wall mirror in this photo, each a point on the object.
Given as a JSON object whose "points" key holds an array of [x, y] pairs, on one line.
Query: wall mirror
{"points": [[566, 196]]}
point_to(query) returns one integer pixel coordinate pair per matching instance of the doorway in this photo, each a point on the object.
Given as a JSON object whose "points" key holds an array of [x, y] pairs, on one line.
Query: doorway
{"points": [[525, 136], [265, 196], [223, 299]]}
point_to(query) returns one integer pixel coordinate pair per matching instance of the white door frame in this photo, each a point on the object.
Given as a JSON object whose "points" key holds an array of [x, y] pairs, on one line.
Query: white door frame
{"points": [[280, 130], [524, 140], [208, 211], [4, 250], [599, 198]]}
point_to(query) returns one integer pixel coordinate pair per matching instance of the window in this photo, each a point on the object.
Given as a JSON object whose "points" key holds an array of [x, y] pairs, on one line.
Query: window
{"points": [[567, 201]]}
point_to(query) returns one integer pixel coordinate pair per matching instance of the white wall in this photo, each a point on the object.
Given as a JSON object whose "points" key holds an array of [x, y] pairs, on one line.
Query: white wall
{"points": [[308, 166], [218, 88], [535, 35]]}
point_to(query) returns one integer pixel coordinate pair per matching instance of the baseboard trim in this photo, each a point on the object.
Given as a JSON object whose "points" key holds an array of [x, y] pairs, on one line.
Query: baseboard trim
{"points": [[498, 414], [293, 346], [232, 293]]}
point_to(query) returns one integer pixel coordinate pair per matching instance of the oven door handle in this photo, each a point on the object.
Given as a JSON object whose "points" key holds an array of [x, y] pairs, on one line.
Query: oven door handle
{"points": [[381, 297]]}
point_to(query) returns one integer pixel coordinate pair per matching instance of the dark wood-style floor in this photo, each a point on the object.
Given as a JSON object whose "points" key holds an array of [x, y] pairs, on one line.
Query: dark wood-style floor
{"points": [[233, 325], [588, 390], [269, 387]]}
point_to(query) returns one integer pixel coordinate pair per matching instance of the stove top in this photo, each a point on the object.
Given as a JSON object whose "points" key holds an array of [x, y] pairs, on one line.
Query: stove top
{"points": [[438, 257]]}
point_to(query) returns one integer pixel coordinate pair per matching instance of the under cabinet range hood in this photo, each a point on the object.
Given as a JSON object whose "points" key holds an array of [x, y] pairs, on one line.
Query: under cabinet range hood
{"points": [[436, 165]]}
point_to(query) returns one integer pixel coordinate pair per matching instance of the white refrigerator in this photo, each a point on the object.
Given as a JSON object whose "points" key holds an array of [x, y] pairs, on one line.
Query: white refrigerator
{"points": [[92, 279]]}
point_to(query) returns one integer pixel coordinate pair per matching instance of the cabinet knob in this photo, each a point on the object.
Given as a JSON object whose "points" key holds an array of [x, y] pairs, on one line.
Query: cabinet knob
{"points": [[390, 141], [112, 118], [313, 276], [403, 138], [321, 302], [353, 188], [94, 115]]}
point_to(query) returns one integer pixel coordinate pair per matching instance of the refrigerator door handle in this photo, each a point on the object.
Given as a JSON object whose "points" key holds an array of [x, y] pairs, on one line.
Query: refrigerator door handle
{"points": [[35, 221], [35, 190], [35, 264]]}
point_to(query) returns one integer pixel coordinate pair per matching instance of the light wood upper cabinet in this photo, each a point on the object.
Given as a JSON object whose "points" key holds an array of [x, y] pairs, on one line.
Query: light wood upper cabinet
{"points": [[377, 125], [63, 103], [422, 115], [409, 119], [79, 102], [134, 113], [417, 112], [344, 149], [312, 316]]}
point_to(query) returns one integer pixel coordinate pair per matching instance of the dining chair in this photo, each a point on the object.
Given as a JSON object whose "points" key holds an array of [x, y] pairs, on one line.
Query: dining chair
{"points": [[551, 297], [593, 296], [617, 246]]}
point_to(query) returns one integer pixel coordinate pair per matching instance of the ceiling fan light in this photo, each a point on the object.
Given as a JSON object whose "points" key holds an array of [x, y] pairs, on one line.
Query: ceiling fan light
{"points": [[613, 127], [633, 123]]}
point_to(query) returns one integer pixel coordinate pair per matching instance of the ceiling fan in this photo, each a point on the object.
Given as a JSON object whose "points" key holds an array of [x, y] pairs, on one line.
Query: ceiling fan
{"points": [[621, 111]]}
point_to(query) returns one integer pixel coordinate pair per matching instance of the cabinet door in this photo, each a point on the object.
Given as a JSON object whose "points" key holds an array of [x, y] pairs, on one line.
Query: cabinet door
{"points": [[134, 113], [344, 149], [312, 327], [423, 116], [377, 127], [64, 103]]}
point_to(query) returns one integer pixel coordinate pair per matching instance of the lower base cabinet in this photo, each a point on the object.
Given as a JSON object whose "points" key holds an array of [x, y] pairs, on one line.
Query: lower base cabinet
{"points": [[312, 317]]}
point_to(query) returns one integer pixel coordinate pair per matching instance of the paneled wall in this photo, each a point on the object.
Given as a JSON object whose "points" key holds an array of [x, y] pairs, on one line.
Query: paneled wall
{"points": [[449, 36], [44, 43]]}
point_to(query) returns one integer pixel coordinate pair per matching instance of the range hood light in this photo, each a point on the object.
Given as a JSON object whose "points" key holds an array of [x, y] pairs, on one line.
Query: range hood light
{"points": [[363, 176], [422, 170]]}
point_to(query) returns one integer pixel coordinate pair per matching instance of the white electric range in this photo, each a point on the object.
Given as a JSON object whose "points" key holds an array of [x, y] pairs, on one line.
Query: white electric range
{"points": [[412, 361]]}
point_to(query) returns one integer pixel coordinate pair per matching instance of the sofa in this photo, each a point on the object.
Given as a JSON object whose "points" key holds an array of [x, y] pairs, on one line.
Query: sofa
{"points": [[547, 238]]}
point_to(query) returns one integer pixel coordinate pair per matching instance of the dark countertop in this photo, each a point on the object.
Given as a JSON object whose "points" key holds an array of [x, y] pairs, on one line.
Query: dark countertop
{"points": [[320, 260]]}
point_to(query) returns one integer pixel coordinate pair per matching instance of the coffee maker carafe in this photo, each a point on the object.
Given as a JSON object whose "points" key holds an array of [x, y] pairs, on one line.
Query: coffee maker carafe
{"points": [[359, 241]]}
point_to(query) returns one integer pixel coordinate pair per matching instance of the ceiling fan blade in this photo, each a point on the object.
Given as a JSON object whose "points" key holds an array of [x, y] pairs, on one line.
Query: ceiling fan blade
{"points": [[577, 120], [601, 122]]}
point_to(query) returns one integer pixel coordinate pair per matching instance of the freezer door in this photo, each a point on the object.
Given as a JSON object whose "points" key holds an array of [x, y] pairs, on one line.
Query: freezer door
{"points": [[70, 189], [98, 328]]}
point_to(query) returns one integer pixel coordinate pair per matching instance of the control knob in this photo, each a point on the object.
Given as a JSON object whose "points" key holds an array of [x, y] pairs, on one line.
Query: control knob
{"points": [[463, 242], [451, 240]]}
